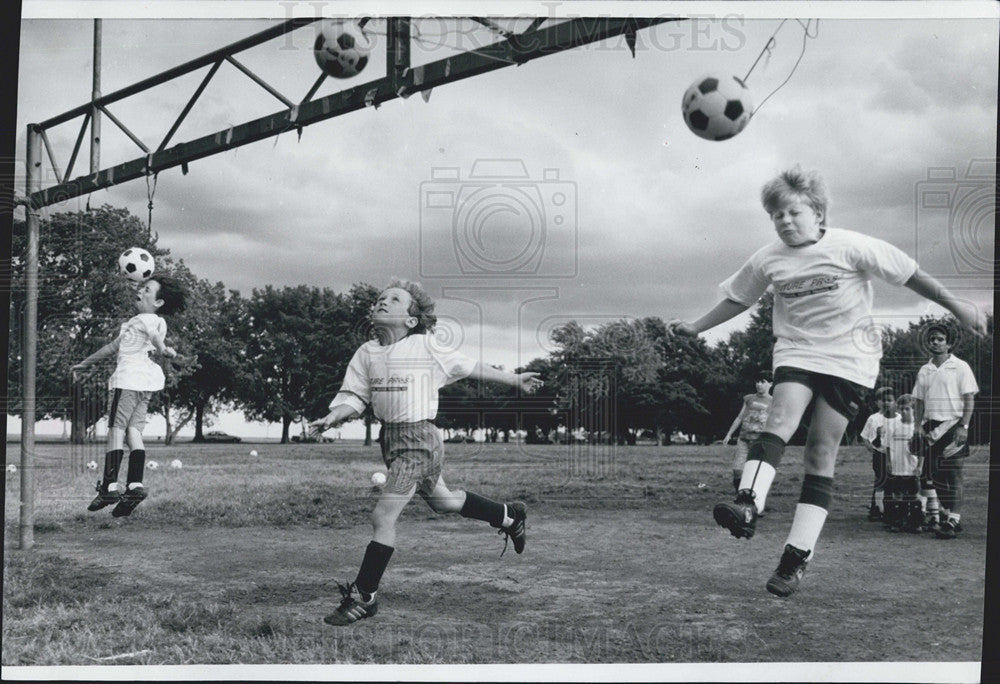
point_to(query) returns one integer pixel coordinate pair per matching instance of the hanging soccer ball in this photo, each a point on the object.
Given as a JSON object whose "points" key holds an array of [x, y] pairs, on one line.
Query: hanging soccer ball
{"points": [[342, 48], [717, 107], [136, 264]]}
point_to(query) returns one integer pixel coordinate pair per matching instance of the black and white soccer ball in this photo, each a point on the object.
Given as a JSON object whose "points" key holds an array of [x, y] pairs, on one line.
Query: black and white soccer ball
{"points": [[136, 264], [717, 107], [342, 48]]}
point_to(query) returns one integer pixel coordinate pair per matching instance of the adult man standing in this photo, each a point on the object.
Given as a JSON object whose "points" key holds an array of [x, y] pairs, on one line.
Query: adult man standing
{"points": [[944, 398]]}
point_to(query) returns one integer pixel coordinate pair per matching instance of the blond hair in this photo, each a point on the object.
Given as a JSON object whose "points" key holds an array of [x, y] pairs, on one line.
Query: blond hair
{"points": [[795, 183]]}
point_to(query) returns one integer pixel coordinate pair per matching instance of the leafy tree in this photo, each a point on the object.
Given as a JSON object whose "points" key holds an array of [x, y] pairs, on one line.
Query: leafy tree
{"points": [[299, 341]]}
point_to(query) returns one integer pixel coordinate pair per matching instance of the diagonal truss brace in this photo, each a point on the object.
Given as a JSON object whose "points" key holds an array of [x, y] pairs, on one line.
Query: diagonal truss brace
{"points": [[400, 80]]}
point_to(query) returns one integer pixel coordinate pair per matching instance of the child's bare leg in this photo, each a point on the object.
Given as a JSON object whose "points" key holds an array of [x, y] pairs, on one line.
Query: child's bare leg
{"points": [[825, 431]]}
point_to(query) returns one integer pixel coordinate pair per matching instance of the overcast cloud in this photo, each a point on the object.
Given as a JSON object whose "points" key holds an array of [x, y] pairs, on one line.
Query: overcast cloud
{"points": [[661, 216]]}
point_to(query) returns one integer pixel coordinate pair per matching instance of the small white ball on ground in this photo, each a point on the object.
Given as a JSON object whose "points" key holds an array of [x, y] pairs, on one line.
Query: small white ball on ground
{"points": [[378, 479], [152, 465], [253, 453], [92, 465], [702, 485], [11, 468], [176, 463]]}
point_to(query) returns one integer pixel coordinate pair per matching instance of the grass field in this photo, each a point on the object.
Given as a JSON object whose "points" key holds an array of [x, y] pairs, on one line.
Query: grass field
{"points": [[233, 559]]}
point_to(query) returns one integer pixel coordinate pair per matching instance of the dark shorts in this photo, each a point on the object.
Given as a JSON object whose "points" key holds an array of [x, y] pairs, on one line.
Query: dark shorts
{"points": [[935, 461], [842, 395], [902, 487], [880, 465], [414, 454], [127, 408]]}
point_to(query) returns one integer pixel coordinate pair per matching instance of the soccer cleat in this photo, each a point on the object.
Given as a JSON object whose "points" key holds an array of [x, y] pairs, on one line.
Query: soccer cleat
{"points": [[874, 514], [946, 530], [130, 499], [739, 517], [785, 580], [103, 498], [351, 609], [516, 531]]}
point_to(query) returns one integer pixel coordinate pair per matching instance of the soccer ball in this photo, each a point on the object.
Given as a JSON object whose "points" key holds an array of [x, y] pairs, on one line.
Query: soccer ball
{"points": [[152, 465], [342, 48], [136, 264], [378, 479], [92, 465], [717, 107], [176, 463], [11, 468], [253, 453]]}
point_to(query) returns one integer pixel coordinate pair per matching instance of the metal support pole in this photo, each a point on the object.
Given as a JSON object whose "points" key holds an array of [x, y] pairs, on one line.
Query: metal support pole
{"points": [[398, 51], [29, 345], [95, 111]]}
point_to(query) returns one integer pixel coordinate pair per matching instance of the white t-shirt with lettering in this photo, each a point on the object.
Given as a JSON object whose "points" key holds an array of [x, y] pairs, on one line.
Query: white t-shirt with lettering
{"points": [[401, 380], [823, 300], [135, 369]]}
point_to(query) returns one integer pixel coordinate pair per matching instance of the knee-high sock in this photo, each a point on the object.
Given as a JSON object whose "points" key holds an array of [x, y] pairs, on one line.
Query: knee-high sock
{"points": [[481, 508], [373, 566], [136, 465], [811, 511], [112, 463]]}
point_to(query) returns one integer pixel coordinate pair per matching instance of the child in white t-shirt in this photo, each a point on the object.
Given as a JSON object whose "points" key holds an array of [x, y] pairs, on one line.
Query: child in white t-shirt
{"points": [[902, 507], [826, 350], [399, 376], [885, 402], [130, 387]]}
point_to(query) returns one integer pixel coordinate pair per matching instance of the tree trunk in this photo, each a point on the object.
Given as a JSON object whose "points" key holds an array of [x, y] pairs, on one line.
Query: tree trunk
{"points": [[199, 419], [286, 421], [168, 438]]}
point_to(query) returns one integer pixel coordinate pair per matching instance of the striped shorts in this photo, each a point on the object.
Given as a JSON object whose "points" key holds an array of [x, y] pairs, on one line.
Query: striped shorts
{"points": [[414, 454]]}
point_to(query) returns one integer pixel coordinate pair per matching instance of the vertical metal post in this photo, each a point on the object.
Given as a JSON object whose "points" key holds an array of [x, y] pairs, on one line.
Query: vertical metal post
{"points": [[95, 112], [29, 341], [397, 50]]}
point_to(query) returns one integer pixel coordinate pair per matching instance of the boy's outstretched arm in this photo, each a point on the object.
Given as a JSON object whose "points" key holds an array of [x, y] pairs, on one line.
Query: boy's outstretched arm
{"points": [[528, 382], [967, 313], [110, 349], [720, 313], [337, 415]]}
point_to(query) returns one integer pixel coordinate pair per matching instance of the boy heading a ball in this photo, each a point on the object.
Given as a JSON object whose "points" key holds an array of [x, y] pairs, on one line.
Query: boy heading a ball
{"points": [[130, 387], [823, 356], [399, 376]]}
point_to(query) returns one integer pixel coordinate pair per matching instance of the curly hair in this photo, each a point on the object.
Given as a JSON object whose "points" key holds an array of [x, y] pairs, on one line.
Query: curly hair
{"points": [[421, 305], [172, 293], [795, 183]]}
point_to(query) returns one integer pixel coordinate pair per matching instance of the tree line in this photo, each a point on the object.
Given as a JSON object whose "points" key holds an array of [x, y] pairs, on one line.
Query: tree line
{"points": [[279, 354]]}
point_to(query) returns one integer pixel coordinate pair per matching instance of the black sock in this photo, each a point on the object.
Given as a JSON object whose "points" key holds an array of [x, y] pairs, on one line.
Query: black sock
{"points": [[112, 462], [736, 483], [372, 567], [817, 490], [768, 447], [481, 508], [136, 464]]}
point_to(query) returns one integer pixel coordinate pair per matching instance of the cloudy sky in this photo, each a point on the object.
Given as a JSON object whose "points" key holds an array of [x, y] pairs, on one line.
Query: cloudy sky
{"points": [[891, 110]]}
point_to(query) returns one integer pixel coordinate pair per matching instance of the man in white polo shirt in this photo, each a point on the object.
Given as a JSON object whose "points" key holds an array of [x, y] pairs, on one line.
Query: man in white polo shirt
{"points": [[944, 399]]}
